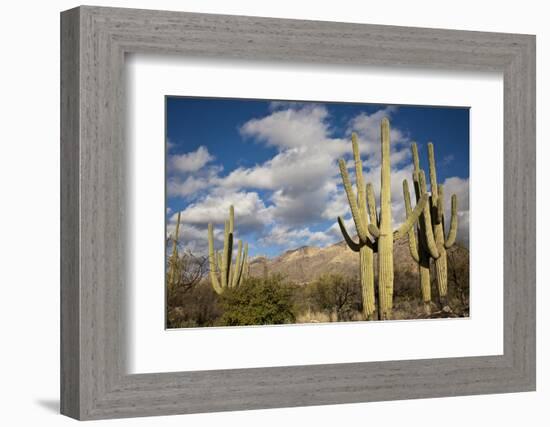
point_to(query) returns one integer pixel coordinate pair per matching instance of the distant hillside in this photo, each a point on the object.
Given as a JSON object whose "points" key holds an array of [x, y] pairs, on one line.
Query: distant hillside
{"points": [[307, 263]]}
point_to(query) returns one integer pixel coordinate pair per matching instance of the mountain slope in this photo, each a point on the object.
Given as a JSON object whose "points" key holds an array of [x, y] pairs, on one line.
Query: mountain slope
{"points": [[307, 263]]}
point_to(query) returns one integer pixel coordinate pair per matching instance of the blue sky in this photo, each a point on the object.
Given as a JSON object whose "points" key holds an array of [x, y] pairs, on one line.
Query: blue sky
{"points": [[276, 162]]}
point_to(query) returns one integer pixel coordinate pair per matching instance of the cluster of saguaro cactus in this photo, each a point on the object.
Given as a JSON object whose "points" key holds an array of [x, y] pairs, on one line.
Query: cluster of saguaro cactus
{"points": [[375, 230], [223, 273], [429, 241]]}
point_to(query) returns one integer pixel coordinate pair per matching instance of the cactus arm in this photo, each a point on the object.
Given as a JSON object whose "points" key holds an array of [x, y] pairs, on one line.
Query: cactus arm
{"points": [[385, 180], [246, 267], [413, 245], [355, 247], [230, 277], [451, 237], [361, 231], [433, 174], [360, 182], [230, 259], [226, 257], [212, 261], [374, 230], [411, 219], [244, 263], [440, 203], [219, 260], [416, 161], [236, 272], [430, 239], [231, 219], [371, 201], [174, 258]]}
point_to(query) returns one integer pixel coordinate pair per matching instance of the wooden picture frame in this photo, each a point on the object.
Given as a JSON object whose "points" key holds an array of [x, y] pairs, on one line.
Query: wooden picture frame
{"points": [[94, 382]]}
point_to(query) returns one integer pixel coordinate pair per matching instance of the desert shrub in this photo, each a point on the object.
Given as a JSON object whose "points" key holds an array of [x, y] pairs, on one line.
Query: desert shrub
{"points": [[458, 272], [194, 307], [335, 294], [406, 284], [265, 301]]}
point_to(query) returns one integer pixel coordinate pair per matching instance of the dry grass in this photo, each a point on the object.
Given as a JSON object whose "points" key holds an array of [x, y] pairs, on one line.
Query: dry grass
{"points": [[314, 317]]}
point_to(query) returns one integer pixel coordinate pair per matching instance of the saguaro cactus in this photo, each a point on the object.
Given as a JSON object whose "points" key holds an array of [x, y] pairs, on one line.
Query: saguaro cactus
{"points": [[421, 241], [431, 241], [223, 274], [375, 230], [366, 244], [173, 261]]}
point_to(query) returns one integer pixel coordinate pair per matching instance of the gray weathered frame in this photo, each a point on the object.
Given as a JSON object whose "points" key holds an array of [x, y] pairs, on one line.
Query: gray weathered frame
{"points": [[94, 41]]}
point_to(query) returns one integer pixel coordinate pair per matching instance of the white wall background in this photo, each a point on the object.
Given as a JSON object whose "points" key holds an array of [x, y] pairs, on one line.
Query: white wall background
{"points": [[29, 213]]}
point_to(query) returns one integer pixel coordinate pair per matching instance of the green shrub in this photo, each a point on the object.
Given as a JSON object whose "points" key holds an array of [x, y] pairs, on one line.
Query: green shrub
{"points": [[257, 302]]}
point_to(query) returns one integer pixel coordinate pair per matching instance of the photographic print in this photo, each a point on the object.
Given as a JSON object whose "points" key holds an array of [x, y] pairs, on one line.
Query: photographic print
{"points": [[293, 212]]}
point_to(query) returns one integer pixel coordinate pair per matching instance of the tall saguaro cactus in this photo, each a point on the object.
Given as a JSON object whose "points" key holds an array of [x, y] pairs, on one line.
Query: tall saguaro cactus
{"points": [[223, 273], [431, 242], [375, 230], [421, 243], [365, 246]]}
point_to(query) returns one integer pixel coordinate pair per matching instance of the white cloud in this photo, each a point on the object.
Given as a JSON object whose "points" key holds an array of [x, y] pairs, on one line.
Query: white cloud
{"points": [[191, 237], [187, 187], [279, 200], [292, 237], [190, 185], [190, 162], [367, 128], [250, 211], [302, 168], [460, 187], [290, 128], [301, 174]]}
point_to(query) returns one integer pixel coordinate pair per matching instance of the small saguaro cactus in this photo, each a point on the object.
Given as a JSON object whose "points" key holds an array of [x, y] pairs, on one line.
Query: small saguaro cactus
{"points": [[431, 241], [173, 265], [375, 230], [223, 273]]}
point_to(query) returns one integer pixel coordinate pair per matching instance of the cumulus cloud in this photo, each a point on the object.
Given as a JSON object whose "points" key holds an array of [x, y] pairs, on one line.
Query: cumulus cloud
{"points": [[460, 187], [293, 237], [281, 200], [251, 214], [190, 162], [189, 185], [289, 128], [300, 176]]}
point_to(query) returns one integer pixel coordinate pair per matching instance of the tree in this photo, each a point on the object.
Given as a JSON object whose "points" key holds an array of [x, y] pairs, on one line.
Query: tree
{"points": [[337, 295], [257, 302], [186, 271]]}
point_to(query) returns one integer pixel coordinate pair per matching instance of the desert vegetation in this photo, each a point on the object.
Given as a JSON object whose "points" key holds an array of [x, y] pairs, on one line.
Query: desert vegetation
{"points": [[229, 294], [330, 298]]}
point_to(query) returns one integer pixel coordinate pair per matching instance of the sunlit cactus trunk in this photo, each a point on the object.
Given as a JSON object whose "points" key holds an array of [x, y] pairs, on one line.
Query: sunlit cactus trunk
{"points": [[223, 274], [366, 275], [385, 239]]}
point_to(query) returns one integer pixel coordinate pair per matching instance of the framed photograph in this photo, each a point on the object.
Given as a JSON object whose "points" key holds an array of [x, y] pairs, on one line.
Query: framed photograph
{"points": [[261, 213]]}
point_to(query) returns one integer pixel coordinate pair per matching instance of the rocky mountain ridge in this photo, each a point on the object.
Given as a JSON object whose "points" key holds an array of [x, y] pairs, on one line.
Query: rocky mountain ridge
{"points": [[307, 263]]}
